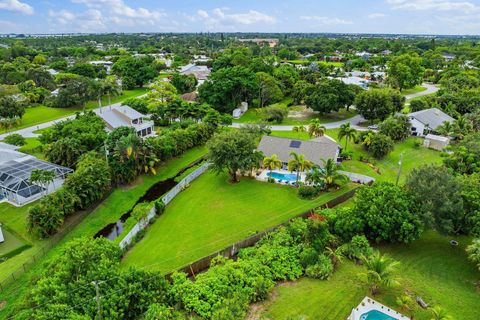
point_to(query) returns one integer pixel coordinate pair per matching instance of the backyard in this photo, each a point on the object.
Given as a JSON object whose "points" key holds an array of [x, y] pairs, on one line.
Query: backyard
{"points": [[40, 114], [430, 268], [298, 115], [212, 214], [387, 167]]}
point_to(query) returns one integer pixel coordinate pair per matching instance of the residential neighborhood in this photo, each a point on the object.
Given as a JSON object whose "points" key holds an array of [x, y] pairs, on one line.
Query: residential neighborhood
{"points": [[239, 160]]}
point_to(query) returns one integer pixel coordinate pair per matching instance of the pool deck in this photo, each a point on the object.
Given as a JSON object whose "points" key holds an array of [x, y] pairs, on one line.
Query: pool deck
{"points": [[368, 304], [263, 176]]}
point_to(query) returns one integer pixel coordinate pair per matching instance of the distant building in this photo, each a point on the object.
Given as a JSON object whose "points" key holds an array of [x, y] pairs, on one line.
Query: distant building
{"points": [[259, 41], [200, 72], [107, 65], [436, 142], [358, 81], [314, 150], [448, 56], [386, 52], [53, 72], [124, 116], [238, 112], [189, 97], [364, 55], [425, 121], [15, 171]]}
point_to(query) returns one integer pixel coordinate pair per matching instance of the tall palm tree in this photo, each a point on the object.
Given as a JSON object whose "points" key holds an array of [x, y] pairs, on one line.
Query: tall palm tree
{"points": [[111, 88], [315, 129], [329, 174], [272, 163], [298, 164], [438, 313], [347, 132], [380, 271]]}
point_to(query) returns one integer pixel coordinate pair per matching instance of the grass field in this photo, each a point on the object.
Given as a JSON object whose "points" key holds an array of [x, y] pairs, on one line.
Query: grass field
{"points": [[254, 115], [412, 156], [11, 243], [212, 214], [416, 89], [40, 114], [430, 268]]}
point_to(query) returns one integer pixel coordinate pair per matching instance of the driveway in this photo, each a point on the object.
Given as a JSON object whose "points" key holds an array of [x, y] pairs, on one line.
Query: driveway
{"points": [[431, 89]]}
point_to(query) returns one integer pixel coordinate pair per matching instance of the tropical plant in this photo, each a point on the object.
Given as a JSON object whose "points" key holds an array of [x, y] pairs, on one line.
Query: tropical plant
{"points": [[272, 162], [315, 129], [347, 132], [404, 302], [299, 164], [473, 252], [328, 175], [438, 313], [43, 178], [299, 129], [380, 271], [336, 255]]}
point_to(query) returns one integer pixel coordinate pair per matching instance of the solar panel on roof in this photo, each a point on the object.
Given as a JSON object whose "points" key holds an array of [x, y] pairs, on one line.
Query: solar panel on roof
{"points": [[295, 144]]}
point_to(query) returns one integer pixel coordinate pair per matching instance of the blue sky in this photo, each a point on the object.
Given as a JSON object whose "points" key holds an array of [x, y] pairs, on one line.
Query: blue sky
{"points": [[362, 16]]}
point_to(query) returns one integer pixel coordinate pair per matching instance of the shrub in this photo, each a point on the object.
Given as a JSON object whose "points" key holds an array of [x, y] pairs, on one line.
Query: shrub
{"points": [[15, 139], [307, 192], [322, 269], [380, 145], [473, 252], [397, 128], [356, 248], [159, 207], [275, 113]]}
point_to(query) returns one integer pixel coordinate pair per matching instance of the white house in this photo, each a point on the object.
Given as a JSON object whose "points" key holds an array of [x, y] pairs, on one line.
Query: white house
{"points": [[238, 112], [124, 116], [200, 72], [358, 81], [436, 142], [107, 65], [2, 239], [427, 120]]}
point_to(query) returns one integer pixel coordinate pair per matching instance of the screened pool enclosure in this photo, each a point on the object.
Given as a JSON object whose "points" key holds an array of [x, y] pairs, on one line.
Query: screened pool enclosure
{"points": [[15, 185]]}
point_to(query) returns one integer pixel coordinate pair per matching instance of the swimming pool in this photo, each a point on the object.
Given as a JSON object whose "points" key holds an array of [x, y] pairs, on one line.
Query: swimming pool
{"points": [[376, 315], [282, 176]]}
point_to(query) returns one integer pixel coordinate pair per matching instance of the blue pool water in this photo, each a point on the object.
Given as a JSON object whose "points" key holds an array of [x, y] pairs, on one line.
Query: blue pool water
{"points": [[283, 176], [376, 315]]}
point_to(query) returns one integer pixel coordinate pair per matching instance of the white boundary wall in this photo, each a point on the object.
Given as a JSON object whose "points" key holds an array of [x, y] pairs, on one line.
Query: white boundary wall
{"points": [[166, 200]]}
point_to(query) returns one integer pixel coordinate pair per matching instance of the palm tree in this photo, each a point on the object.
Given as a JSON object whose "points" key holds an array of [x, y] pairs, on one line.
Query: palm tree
{"points": [[347, 132], [438, 313], [335, 255], [404, 301], [272, 163], [298, 164], [315, 129], [445, 129], [111, 88], [299, 129], [329, 174], [43, 178], [367, 139], [380, 271]]}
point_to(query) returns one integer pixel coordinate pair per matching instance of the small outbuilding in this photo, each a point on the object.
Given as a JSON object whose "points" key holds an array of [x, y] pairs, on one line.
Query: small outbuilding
{"points": [[2, 238], [435, 142], [238, 112]]}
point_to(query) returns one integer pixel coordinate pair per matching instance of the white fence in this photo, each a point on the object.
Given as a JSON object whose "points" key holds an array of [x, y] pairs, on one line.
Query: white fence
{"points": [[166, 199]]}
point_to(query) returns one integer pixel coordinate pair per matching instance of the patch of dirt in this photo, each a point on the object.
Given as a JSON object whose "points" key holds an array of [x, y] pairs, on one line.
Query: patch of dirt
{"points": [[302, 113], [3, 304], [256, 310]]}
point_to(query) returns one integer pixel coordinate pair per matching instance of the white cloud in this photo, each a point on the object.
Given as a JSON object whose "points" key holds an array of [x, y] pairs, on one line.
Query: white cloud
{"points": [[16, 6], [327, 21], [376, 15], [440, 5], [220, 18], [120, 8]]}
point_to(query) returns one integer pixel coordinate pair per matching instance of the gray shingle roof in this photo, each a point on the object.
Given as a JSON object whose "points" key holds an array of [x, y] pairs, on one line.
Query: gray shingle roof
{"points": [[313, 150], [432, 117]]}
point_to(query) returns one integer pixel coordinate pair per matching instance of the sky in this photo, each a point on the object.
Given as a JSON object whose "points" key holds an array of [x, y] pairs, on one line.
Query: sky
{"points": [[340, 16]]}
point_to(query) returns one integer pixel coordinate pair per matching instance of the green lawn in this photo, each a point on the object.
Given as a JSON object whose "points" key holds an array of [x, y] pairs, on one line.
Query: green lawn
{"points": [[212, 214], [40, 114], [11, 243], [254, 115], [430, 268], [412, 156], [413, 90], [33, 147]]}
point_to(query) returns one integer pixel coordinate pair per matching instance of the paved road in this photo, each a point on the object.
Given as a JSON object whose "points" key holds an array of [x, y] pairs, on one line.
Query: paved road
{"points": [[29, 132], [431, 89]]}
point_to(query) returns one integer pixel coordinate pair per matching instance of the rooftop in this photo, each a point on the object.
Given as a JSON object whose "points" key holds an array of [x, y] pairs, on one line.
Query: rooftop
{"points": [[432, 117], [314, 150]]}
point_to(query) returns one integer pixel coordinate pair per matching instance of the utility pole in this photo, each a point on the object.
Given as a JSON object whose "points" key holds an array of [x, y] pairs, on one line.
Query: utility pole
{"points": [[106, 151], [400, 164], [97, 298]]}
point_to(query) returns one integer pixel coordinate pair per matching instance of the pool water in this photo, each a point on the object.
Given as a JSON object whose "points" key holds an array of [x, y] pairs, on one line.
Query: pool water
{"points": [[376, 315], [283, 176]]}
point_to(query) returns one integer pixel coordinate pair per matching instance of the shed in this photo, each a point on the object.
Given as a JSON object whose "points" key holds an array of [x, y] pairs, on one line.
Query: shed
{"points": [[436, 142], [2, 239]]}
